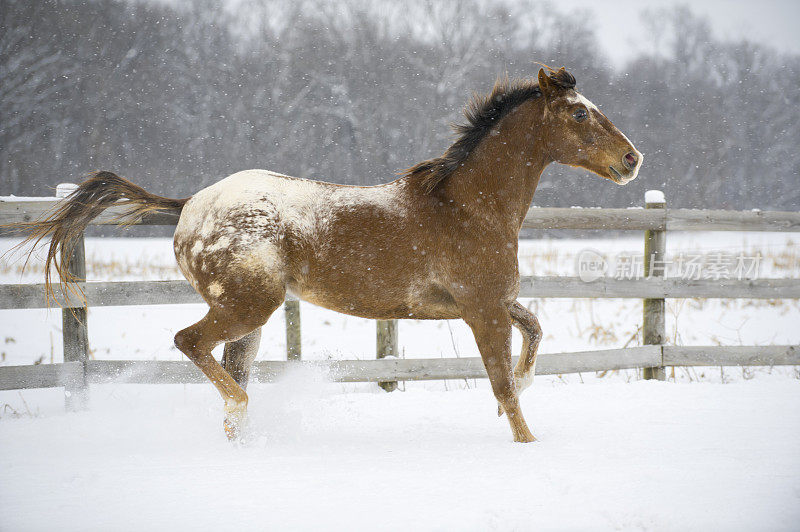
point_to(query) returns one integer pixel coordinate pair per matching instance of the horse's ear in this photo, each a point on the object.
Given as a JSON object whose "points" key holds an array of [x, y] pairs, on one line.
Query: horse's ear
{"points": [[545, 85]]}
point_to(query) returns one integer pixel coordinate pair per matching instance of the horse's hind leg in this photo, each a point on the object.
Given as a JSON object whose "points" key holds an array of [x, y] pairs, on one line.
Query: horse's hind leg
{"points": [[239, 356], [197, 341]]}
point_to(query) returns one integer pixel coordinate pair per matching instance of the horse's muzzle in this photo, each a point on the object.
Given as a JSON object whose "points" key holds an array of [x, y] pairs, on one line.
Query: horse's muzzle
{"points": [[628, 168]]}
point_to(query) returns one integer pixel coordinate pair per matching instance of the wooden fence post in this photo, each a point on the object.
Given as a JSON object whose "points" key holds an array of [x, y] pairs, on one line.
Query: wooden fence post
{"points": [[74, 325], [386, 345], [655, 248], [291, 309]]}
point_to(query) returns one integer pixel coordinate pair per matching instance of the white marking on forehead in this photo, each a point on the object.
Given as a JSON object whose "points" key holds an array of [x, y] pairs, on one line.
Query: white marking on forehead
{"points": [[580, 98]]}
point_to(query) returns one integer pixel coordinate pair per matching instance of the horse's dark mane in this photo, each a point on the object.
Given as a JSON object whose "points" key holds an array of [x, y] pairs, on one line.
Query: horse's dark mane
{"points": [[481, 113]]}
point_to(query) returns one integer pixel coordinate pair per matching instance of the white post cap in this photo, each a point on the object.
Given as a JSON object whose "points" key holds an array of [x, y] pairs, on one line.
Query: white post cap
{"points": [[654, 196], [65, 189]]}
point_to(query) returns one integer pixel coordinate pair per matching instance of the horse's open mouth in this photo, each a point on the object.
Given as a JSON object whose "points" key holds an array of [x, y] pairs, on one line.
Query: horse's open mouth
{"points": [[620, 179]]}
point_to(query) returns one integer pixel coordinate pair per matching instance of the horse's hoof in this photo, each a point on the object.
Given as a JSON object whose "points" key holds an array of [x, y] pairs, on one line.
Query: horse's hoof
{"points": [[232, 430], [235, 419], [524, 438]]}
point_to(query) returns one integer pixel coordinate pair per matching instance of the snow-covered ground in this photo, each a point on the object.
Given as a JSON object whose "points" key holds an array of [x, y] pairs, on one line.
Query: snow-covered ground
{"points": [[715, 449], [611, 456]]}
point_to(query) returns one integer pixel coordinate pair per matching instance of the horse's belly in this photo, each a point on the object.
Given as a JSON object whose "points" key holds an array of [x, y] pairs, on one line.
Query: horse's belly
{"points": [[375, 294]]}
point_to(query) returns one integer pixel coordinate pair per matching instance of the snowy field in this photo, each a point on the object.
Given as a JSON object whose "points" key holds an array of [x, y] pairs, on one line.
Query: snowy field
{"points": [[713, 448], [611, 456]]}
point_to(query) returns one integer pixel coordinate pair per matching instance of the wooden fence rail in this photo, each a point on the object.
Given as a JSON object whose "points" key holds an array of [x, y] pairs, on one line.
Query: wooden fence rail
{"points": [[77, 371], [117, 293], [397, 369], [634, 219]]}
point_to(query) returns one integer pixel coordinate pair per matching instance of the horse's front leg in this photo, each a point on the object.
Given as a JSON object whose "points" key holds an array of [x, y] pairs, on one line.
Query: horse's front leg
{"points": [[527, 324], [492, 330]]}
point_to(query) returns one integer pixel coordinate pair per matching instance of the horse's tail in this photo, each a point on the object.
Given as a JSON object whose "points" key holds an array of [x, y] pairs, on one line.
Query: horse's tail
{"points": [[67, 222]]}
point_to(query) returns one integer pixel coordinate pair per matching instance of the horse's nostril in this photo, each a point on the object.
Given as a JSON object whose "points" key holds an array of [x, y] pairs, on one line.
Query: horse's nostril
{"points": [[630, 160]]}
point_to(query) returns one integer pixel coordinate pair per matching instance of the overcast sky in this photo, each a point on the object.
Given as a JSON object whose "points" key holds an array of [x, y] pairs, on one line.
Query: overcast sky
{"points": [[773, 22]]}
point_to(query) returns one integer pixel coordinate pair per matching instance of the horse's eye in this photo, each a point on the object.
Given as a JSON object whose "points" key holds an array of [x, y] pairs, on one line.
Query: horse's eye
{"points": [[580, 115]]}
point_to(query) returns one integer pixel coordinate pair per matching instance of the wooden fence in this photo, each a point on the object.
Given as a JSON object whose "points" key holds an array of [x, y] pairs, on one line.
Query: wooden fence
{"points": [[78, 370]]}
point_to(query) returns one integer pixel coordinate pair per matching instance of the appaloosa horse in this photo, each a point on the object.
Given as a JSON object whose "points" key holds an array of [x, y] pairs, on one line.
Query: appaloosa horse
{"points": [[440, 242]]}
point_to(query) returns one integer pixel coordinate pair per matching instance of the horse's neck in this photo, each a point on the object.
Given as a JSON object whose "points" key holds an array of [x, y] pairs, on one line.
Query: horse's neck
{"points": [[498, 181]]}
